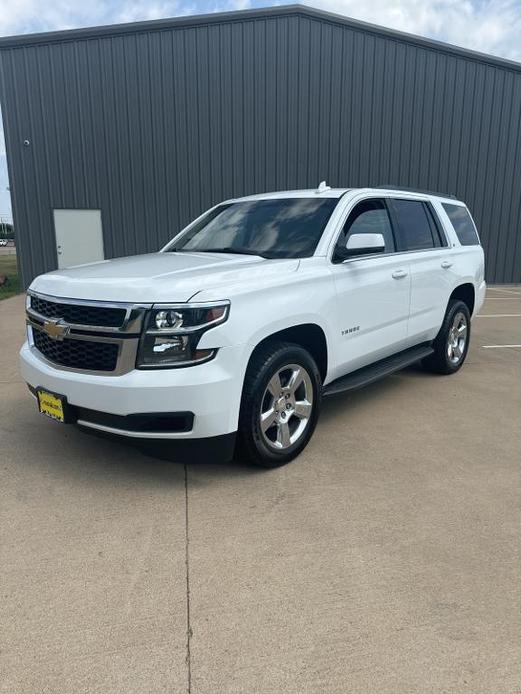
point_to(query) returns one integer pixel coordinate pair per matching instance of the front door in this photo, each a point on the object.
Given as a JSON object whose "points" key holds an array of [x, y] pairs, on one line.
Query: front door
{"points": [[79, 237], [373, 293]]}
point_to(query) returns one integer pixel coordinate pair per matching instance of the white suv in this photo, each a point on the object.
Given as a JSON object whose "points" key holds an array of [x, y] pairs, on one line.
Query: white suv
{"points": [[229, 337]]}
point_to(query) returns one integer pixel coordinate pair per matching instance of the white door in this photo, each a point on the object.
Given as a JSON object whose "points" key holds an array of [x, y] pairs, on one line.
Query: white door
{"points": [[79, 237], [431, 283], [373, 293], [422, 238]]}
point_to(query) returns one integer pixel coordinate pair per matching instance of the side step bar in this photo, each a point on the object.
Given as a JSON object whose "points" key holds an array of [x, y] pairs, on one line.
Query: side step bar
{"points": [[374, 372]]}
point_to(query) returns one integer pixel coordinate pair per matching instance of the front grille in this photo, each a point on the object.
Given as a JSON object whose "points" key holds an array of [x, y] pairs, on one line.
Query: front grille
{"points": [[80, 314], [77, 354]]}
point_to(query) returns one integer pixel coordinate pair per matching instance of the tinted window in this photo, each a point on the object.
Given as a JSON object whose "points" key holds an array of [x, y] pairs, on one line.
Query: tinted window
{"points": [[415, 230], [462, 223], [436, 228], [369, 217], [282, 228]]}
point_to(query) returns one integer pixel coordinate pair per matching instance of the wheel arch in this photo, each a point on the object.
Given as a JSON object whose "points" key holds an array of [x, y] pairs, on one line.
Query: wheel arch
{"points": [[310, 336], [465, 292]]}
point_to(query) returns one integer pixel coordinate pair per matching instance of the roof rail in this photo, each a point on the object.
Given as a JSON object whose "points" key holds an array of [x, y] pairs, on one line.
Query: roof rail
{"points": [[419, 190]]}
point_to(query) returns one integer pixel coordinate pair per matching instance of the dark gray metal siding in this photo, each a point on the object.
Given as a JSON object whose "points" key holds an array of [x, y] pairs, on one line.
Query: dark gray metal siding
{"points": [[155, 125]]}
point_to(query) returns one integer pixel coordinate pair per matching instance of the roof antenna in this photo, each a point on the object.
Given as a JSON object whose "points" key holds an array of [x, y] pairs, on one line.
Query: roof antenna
{"points": [[322, 187]]}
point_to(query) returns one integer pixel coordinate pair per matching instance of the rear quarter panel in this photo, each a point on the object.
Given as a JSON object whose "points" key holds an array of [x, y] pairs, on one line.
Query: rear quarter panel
{"points": [[469, 261]]}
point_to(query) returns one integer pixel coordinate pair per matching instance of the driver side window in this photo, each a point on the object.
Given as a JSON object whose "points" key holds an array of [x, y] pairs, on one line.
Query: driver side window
{"points": [[369, 217]]}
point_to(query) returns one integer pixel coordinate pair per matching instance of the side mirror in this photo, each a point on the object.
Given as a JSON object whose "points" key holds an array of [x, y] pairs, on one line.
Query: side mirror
{"points": [[364, 244]]}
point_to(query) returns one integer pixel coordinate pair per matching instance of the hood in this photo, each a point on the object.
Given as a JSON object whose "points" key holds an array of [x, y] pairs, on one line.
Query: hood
{"points": [[160, 277]]}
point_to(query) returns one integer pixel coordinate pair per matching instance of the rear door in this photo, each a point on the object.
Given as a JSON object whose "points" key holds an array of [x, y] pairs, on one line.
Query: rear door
{"points": [[421, 237], [372, 292]]}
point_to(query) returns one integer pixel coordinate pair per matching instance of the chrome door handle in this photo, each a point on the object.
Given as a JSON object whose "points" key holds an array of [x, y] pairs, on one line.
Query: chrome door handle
{"points": [[399, 274], [446, 264]]}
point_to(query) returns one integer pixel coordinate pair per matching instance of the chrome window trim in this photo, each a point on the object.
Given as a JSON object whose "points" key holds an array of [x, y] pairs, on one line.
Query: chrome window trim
{"points": [[394, 254], [362, 197]]}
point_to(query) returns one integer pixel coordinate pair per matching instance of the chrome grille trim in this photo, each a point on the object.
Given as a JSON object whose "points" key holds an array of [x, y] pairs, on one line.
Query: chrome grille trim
{"points": [[132, 323], [126, 336]]}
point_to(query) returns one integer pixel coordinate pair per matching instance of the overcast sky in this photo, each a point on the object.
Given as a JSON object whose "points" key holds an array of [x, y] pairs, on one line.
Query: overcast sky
{"points": [[490, 26]]}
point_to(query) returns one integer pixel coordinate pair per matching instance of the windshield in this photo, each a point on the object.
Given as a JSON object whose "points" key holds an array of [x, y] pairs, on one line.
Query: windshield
{"points": [[278, 228]]}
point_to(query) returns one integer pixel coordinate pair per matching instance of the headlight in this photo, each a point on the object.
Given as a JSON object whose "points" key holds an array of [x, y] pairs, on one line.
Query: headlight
{"points": [[172, 333]]}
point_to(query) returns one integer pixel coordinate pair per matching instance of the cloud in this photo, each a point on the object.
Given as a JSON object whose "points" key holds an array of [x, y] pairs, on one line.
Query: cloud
{"points": [[138, 11], [24, 16], [489, 26]]}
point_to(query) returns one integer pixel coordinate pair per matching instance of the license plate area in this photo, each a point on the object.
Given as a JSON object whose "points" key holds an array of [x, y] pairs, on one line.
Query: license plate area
{"points": [[53, 405]]}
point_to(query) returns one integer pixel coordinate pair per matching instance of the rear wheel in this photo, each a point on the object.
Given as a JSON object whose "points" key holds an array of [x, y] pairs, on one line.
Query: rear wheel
{"points": [[452, 342], [280, 404]]}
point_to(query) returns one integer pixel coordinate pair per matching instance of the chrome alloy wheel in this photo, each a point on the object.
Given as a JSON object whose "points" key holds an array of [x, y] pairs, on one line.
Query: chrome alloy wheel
{"points": [[457, 338], [286, 406]]}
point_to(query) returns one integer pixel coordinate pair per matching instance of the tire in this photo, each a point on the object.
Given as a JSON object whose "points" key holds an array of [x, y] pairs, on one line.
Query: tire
{"points": [[452, 342], [289, 415]]}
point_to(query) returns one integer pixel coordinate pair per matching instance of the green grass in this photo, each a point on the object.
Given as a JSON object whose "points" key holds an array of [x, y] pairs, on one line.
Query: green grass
{"points": [[8, 267]]}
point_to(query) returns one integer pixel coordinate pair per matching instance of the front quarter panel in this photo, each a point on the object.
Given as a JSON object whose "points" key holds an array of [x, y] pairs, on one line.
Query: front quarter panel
{"points": [[257, 312]]}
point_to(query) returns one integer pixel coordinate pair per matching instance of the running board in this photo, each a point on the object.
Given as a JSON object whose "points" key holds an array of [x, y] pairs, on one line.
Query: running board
{"points": [[374, 372]]}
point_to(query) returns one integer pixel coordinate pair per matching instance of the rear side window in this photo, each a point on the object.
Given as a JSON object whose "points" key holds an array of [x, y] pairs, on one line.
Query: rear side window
{"points": [[462, 223], [416, 227]]}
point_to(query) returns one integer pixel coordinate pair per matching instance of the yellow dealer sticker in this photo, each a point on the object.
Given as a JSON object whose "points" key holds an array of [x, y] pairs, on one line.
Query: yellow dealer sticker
{"points": [[50, 405]]}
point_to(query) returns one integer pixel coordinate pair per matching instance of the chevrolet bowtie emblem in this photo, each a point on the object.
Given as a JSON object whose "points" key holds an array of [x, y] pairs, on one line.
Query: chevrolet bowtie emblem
{"points": [[55, 329]]}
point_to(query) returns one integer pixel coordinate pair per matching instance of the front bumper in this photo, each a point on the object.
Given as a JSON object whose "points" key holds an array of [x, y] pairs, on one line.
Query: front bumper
{"points": [[211, 391]]}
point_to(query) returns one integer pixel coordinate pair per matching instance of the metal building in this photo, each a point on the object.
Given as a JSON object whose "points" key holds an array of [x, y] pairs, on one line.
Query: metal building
{"points": [[118, 136]]}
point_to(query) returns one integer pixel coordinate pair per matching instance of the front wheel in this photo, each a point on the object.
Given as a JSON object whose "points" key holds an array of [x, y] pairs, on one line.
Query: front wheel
{"points": [[452, 342], [280, 404]]}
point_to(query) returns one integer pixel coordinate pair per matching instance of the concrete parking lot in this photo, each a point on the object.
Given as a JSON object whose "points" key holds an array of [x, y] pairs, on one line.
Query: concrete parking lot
{"points": [[387, 558]]}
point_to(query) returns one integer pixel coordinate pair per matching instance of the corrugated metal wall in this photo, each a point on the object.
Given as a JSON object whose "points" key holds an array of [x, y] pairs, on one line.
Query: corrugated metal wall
{"points": [[156, 125]]}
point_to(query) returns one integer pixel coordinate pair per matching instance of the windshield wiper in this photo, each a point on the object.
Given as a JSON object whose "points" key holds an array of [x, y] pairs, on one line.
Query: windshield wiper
{"points": [[226, 249]]}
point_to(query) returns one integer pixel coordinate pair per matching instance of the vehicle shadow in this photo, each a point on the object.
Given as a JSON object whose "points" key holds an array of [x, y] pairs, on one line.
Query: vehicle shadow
{"points": [[95, 459], [341, 403], [130, 460]]}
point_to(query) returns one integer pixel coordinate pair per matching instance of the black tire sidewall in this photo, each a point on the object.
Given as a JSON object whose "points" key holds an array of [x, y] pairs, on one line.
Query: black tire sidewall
{"points": [[440, 344], [255, 385]]}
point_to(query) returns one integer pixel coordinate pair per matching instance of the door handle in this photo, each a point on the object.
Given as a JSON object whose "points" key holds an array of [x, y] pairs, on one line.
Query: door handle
{"points": [[399, 274], [59, 249], [446, 264]]}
